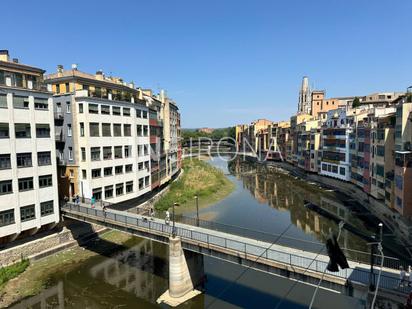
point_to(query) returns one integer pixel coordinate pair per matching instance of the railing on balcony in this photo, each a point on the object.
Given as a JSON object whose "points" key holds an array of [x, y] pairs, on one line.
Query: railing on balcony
{"points": [[58, 115]]}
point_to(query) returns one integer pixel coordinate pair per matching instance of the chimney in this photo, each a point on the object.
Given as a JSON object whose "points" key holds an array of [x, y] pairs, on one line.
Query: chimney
{"points": [[15, 60], [4, 55], [60, 68], [99, 75]]}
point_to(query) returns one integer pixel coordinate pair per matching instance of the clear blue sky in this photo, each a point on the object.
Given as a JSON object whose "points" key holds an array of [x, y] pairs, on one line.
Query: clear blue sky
{"points": [[224, 62]]}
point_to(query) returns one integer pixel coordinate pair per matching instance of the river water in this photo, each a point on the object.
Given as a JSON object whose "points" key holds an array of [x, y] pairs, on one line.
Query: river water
{"points": [[264, 200]]}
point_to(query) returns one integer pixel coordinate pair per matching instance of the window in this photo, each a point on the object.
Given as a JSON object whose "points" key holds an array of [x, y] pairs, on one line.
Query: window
{"points": [[4, 130], [146, 149], [27, 213], [140, 166], [3, 100], [44, 158], [83, 151], [108, 171], [7, 217], [6, 187], [105, 109], [146, 181], [118, 152], [69, 130], [117, 129], [106, 129], [46, 208], [146, 165], [81, 129], [93, 109], [127, 130], [380, 151], [57, 88], [26, 184], [80, 108], [94, 129], [138, 113], [380, 170], [145, 130], [118, 169], [116, 110], [139, 130], [144, 114], [84, 174], [97, 193], [128, 168], [71, 173], [108, 192], [107, 153], [5, 162], [70, 153], [129, 186], [95, 153], [126, 111], [22, 130], [119, 189], [96, 173], [20, 102], [42, 130], [40, 103], [342, 171], [68, 107], [127, 151], [45, 181], [141, 183], [140, 150], [24, 159]]}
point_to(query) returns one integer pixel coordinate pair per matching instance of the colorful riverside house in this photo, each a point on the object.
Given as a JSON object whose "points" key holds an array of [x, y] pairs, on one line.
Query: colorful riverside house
{"points": [[403, 156], [102, 136], [28, 178], [335, 146], [304, 142]]}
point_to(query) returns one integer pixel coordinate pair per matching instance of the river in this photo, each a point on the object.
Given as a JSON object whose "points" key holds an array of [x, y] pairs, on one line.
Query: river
{"points": [[268, 201]]}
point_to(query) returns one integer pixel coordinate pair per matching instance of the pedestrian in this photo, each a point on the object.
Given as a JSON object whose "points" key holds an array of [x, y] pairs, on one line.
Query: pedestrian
{"points": [[152, 213], [409, 275], [402, 276], [167, 219], [92, 201], [77, 199]]}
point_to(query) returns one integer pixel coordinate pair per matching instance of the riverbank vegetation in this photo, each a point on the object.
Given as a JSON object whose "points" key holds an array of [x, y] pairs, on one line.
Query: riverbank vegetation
{"points": [[30, 279], [201, 179], [9, 272]]}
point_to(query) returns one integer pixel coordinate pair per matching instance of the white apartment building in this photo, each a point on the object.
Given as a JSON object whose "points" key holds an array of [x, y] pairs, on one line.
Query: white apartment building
{"points": [[106, 149], [335, 158], [28, 178]]}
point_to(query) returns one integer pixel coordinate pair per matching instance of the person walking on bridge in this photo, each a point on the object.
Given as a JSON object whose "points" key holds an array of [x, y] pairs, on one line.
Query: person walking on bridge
{"points": [[167, 218]]}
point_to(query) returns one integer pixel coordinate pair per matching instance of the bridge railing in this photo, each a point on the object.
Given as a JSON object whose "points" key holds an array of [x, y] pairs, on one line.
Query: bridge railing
{"points": [[253, 252], [303, 244]]}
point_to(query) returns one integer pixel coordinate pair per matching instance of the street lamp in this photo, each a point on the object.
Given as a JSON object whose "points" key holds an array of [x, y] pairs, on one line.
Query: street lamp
{"points": [[197, 210], [373, 245], [174, 226]]}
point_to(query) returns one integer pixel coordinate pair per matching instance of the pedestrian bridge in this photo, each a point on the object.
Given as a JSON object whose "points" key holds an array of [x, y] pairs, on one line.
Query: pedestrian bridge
{"points": [[270, 257]]}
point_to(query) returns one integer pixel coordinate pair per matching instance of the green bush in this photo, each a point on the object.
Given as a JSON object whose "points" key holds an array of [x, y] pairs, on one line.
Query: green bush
{"points": [[9, 272]]}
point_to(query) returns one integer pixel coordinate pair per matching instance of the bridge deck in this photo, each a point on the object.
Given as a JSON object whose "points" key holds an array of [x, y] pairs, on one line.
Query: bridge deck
{"points": [[275, 255]]}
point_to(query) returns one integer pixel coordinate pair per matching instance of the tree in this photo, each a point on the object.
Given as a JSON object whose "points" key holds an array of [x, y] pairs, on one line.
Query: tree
{"points": [[356, 103]]}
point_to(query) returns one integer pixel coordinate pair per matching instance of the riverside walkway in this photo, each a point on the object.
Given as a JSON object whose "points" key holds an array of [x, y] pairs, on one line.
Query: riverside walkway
{"points": [[262, 255]]}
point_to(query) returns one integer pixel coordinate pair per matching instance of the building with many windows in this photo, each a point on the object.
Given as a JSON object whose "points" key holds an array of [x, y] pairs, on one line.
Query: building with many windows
{"points": [[102, 136], [28, 180]]}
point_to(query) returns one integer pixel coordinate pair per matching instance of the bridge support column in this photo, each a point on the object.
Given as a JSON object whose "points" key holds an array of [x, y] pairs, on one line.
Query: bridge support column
{"points": [[183, 275]]}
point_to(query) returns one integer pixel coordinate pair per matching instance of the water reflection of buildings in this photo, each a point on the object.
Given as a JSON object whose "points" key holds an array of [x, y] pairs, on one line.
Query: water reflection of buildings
{"points": [[285, 193], [133, 271], [50, 298]]}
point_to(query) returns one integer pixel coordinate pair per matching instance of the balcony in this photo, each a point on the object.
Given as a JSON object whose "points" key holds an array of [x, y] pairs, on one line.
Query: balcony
{"points": [[58, 115], [403, 159], [59, 137]]}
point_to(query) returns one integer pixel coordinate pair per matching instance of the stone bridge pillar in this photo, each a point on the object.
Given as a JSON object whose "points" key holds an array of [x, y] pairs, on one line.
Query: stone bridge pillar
{"points": [[185, 272]]}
